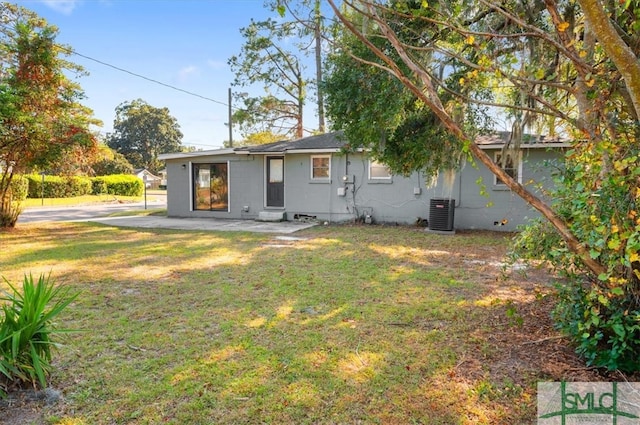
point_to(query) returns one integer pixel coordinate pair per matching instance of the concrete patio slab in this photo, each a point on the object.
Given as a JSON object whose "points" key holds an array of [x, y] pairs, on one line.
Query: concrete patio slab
{"points": [[213, 224]]}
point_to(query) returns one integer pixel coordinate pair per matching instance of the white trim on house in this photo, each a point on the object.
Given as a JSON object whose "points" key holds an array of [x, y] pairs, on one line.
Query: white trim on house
{"points": [[291, 151], [190, 177], [313, 151], [551, 145], [178, 155]]}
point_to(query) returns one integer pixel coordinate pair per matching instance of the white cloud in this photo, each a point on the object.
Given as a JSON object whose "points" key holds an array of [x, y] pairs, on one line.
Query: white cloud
{"points": [[187, 72], [213, 64], [63, 6]]}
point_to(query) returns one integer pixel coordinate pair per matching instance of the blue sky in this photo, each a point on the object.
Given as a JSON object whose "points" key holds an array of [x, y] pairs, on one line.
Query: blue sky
{"points": [[182, 43]]}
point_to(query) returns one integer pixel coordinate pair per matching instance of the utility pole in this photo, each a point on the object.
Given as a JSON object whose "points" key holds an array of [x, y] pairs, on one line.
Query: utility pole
{"points": [[320, 94], [230, 122]]}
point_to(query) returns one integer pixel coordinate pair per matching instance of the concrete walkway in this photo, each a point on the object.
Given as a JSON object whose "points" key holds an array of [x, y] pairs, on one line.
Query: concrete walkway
{"points": [[161, 222]]}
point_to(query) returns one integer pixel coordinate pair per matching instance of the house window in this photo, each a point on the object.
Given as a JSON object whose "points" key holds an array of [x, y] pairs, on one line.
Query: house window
{"points": [[320, 167], [510, 166], [211, 187], [378, 171]]}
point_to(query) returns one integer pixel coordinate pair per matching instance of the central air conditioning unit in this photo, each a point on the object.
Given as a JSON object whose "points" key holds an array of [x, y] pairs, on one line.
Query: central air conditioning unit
{"points": [[441, 212]]}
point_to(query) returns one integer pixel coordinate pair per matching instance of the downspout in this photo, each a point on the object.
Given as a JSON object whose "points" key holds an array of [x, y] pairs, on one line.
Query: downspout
{"points": [[346, 173], [459, 189], [330, 190], [346, 164]]}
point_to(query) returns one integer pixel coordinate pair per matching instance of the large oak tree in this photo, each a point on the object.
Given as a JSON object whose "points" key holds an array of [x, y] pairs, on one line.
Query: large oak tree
{"points": [[142, 132]]}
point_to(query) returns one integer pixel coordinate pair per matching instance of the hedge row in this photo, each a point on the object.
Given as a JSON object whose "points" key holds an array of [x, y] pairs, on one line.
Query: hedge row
{"points": [[118, 184], [65, 187]]}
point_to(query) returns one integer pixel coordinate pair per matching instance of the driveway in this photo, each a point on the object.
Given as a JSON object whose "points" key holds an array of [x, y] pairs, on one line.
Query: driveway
{"points": [[80, 212]]}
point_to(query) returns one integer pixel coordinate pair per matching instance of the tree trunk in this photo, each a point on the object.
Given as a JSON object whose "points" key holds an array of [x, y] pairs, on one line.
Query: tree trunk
{"points": [[300, 107], [620, 53], [427, 92]]}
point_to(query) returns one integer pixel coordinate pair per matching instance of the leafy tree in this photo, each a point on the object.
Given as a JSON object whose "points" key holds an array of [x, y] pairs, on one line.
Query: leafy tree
{"points": [[110, 162], [569, 67], [263, 60], [41, 121], [142, 132], [260, 138], [308, 15], [78, 160]]}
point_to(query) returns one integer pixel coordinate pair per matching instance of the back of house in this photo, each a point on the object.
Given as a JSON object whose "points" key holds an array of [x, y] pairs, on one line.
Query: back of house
{"points": [[315, 178]]}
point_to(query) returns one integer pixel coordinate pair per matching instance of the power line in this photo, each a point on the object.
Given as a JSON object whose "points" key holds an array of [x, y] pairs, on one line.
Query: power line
{"points": [[71, 51], [74, 52]]}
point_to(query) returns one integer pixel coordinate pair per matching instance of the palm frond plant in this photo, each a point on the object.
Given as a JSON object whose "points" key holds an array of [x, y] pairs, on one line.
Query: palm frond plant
{"points": [[27, 330]]}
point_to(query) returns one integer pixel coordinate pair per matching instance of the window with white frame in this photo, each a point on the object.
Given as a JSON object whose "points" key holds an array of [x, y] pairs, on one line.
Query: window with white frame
{"points": [[320, 167], [378, 171], [511, 167]]}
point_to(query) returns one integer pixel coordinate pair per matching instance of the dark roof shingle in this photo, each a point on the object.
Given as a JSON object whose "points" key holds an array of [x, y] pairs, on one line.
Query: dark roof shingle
{"points": [[332, 140]]}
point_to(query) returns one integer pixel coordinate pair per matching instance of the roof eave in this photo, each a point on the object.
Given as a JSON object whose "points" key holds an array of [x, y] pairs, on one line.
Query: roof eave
{"points": [[248, 152], [324, 150], [185, 155], [528, 145]]}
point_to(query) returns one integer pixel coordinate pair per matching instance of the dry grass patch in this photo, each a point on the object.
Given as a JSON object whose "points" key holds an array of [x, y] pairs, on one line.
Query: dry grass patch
{"points": [[346, 325]]}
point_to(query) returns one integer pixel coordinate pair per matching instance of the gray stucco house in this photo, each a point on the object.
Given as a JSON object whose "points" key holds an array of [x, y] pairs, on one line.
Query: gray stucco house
{"points": [[313, 178]]}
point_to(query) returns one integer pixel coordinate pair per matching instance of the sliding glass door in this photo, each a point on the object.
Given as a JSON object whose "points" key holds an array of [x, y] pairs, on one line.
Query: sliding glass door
{"points": [[211, 187]]}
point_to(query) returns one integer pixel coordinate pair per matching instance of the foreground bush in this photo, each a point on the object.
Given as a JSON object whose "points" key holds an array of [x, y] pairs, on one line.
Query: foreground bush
{"points": [[27, 330], [597, 193], [601, 318]]}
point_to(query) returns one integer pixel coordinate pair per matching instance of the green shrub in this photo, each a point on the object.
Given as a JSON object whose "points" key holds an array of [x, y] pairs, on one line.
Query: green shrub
{"points": [[27, 328], [605, 332], [51, 187], [78, 186], [98, 186], [65, 187], [599, 201], [118, 184], [58, 187], [19, 188]]}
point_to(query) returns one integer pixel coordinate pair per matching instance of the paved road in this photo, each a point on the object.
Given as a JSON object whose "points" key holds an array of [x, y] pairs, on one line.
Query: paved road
{"points": [[81, 212]]}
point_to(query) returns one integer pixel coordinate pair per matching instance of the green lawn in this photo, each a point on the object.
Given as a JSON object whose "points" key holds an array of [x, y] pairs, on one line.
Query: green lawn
{"points": [[91, 199], [350, 324]]}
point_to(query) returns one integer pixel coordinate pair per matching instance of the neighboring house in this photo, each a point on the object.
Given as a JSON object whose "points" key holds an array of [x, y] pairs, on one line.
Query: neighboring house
{"points": [[150, 180], [163, 178], [312, 178]]}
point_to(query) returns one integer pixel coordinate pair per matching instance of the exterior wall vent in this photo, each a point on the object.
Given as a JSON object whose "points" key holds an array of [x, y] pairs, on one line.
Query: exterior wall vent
{"points": [[441, 213]]}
